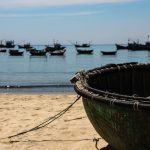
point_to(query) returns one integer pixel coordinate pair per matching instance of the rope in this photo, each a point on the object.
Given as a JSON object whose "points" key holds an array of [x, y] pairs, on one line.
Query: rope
{"points": [[136, 106], [96, 140], [54, 140], [113, 101], [46, 122]]}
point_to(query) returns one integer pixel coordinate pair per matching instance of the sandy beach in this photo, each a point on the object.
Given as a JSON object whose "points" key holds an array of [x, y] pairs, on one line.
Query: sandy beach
{"points": [[21, 112]]}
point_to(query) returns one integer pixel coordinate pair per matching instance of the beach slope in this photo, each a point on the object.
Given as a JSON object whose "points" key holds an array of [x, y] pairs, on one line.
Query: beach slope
{"points": [[20, 112]]}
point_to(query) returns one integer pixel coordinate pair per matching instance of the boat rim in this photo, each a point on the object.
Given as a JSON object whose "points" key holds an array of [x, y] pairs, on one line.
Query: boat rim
{"points": [[82, 88]]}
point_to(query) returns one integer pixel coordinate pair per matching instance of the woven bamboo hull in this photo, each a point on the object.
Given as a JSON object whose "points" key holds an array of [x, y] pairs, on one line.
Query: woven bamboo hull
{"points": [[115, 98], [123, 129]]}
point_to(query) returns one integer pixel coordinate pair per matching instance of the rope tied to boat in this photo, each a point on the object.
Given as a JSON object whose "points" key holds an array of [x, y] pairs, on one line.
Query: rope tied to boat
{"points": [[78, 76], [112, 101], [96, 140], [46, 122]]}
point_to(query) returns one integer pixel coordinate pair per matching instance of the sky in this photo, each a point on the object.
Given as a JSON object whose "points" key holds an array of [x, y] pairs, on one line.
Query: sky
{"points": [[68, 21]]}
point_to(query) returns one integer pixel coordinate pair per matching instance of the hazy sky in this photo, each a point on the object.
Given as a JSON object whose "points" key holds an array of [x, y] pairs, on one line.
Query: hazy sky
{"points": [[99, 21]]}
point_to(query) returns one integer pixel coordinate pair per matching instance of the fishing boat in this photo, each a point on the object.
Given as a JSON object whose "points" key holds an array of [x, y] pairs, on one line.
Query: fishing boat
{"points": [[3, 50], [30, 49], [116, 100], [15, 52], [56, 46], [109, 52], [9, 44], [1, 44], [82, 45], [119, 47], [135, 45], [58, 52], [38, 52], [25, 46], [84, 51]]}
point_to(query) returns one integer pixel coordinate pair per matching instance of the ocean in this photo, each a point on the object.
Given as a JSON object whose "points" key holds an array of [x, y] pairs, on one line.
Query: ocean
{"points": [[53, 73]]}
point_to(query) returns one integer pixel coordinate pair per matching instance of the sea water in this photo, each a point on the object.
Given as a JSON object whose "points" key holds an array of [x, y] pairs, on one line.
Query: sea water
{"points": [[53, 73]]}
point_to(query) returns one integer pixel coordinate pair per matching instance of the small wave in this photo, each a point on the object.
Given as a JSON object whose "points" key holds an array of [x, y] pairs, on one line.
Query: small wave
{"points": [[36, 86]]}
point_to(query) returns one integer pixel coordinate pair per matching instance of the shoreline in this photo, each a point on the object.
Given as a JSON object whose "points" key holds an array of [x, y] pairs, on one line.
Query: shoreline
{"points": [[37, 89], [20, 112]]}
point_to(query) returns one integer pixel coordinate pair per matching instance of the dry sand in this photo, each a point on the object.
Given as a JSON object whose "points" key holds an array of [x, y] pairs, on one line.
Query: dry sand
{"points": [[20, 112]]}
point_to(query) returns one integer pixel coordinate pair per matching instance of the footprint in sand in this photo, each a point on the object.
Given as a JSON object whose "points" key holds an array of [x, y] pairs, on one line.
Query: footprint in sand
{"points": [[37, 108]]}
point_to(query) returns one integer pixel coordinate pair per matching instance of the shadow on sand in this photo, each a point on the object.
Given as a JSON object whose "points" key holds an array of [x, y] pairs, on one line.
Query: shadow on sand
{"points": [[108, 147]]}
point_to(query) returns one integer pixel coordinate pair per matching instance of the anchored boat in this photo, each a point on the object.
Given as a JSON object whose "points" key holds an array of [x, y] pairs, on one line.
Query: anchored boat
{"points": [[25, 46], [35, 52], [58, 52], [84, 51], [56, 46], [109, 52], [7, 44], [118, 46], [82, 45], [13, 52], [116, 100]]}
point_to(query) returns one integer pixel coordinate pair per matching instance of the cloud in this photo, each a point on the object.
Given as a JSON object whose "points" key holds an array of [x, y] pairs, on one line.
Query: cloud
{"points": [[84, 13], [39, 3]]}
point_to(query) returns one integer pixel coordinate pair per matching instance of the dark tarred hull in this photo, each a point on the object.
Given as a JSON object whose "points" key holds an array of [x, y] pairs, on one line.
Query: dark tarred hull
{"points": [[58, 52], [119, 47], [116, 113], [15, 53], [37, 53], [133, 47], [3, 50], [82, 45], [84, 51], [109, 52], [24, 46]]}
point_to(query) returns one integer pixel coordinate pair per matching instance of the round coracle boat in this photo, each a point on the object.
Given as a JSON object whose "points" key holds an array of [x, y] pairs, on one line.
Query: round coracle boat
{"points": [[116, 100]]}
